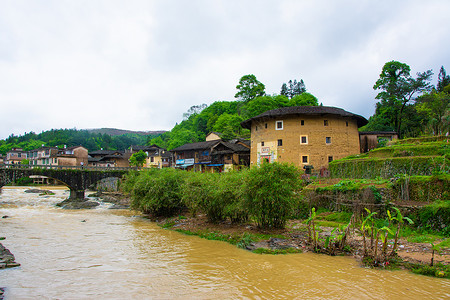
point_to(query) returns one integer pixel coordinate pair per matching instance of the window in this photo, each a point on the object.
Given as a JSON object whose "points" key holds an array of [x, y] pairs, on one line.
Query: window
{"points": [[152, 159], [328, 140], [325, 122], [302, 122], [330, 158], [262, 144], [280, 142], [265, 125], [346, 123], [256, 128], [305, 159], [279, 125], [303, 139]]}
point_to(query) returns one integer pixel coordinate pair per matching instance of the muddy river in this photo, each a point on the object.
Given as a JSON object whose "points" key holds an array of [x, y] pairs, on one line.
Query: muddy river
{"points": [[116, 254]]}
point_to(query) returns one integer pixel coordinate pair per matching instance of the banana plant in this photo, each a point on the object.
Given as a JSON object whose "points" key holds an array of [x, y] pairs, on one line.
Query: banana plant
{"points": [[313, 236], [367, 225], [399, 219]]}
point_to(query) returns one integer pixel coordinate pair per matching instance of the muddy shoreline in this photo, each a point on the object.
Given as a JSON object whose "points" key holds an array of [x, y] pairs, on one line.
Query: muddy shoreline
{"points": [[295, 237]]}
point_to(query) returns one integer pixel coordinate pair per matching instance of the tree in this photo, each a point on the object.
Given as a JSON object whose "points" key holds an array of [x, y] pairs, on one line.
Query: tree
{"points": [[138, 159], [229, 125], [304, 99], [398, 89], [443, 80], [194, 110], [436, 105], [295, 88], [261, 104], [249, 88]]}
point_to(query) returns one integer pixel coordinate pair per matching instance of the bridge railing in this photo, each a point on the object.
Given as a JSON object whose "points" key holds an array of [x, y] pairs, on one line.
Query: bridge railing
{"points": [[88, 168]]}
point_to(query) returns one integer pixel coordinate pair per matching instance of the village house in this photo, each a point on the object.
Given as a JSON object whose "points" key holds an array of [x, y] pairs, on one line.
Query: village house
{"points": [[108, 158], [43, 156], [307, 136], [213, 155], [72, 156], [157, 157], [370, 139], [15, 156]]}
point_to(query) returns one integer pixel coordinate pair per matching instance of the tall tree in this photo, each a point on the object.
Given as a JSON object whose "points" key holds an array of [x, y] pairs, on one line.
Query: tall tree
{"points": [[249, 88], [443, 80], [293, 88], [398, 88]]}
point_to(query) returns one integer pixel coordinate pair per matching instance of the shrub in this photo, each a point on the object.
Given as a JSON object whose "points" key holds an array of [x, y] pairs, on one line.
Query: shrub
{"points": [[158, 192], [271, 193], [230, 190], [434, 217]]}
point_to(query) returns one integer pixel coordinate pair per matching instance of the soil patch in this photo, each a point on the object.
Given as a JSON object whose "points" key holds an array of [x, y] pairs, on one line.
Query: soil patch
{"points": [[295, 236]]}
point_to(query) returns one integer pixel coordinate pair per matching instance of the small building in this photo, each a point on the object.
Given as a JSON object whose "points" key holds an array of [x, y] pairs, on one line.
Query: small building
{"points": [[1, 159], [43, 156], [157, 157], [212, 156], [108, 158], [307, 136], [15, 156], [73, 156], [369, 140]]}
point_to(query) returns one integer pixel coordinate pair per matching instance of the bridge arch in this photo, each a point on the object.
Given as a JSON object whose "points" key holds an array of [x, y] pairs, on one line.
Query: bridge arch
{"points": [[75, 178]]}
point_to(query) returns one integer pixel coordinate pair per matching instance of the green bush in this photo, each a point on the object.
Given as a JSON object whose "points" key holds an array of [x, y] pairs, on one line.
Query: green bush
{"points": [[434, 217], [271, 193], [423, 188], [197, 192], [158, 192], [230, 190], [389, 167]]}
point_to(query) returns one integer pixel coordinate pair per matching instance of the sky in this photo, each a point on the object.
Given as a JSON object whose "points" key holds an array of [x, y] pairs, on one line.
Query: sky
{"points": [[139, 65]]}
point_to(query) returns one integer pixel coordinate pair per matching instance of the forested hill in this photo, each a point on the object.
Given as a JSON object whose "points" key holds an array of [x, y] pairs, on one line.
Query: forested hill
{"points": [[115, 131], [225, 116], [90, 139]]}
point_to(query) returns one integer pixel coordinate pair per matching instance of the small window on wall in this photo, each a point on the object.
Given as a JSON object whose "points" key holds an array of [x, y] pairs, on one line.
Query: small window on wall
{"points": [[325, 122], [302, 122], [303, 139], [346, 123], [262, 144], [328, 140], [280, 143], [330, 158], [279, 125], [305, 159], [265, 125], [256, 128]]}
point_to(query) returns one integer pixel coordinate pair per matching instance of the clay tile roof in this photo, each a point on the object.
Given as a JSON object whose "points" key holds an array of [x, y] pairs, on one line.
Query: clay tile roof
{"points": [[304, 110], [196, 146]]}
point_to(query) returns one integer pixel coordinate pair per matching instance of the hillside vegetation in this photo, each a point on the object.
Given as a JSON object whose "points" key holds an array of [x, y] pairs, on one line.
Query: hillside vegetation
{"points": [[419, 156], [73, 137]]}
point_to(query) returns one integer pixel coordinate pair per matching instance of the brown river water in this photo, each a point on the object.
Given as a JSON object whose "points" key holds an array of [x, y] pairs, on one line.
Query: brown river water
{"points": [[116, 254]]}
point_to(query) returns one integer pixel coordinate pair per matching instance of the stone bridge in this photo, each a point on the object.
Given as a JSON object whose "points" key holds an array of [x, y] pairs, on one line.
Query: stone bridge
{"points": [[77, 179]]}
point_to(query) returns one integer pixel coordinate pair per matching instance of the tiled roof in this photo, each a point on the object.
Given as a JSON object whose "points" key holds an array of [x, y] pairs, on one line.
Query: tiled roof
{"points": [[210, 144], [196, 146], [304, 110]]}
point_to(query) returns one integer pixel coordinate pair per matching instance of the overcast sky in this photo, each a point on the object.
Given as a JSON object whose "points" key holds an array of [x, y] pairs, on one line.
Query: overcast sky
{"points": [[139, 65]]}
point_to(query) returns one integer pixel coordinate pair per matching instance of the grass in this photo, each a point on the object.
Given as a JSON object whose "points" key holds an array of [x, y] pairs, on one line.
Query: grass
{"points": [[239, 239], [422, 236], [276, 251]]}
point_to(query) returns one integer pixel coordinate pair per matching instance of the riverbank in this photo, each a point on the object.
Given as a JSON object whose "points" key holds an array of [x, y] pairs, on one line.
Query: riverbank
{"points": [[294, 239]]}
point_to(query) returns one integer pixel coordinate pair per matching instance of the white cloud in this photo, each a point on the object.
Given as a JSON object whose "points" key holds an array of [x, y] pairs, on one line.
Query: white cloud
{"points": [[141, 64]]}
